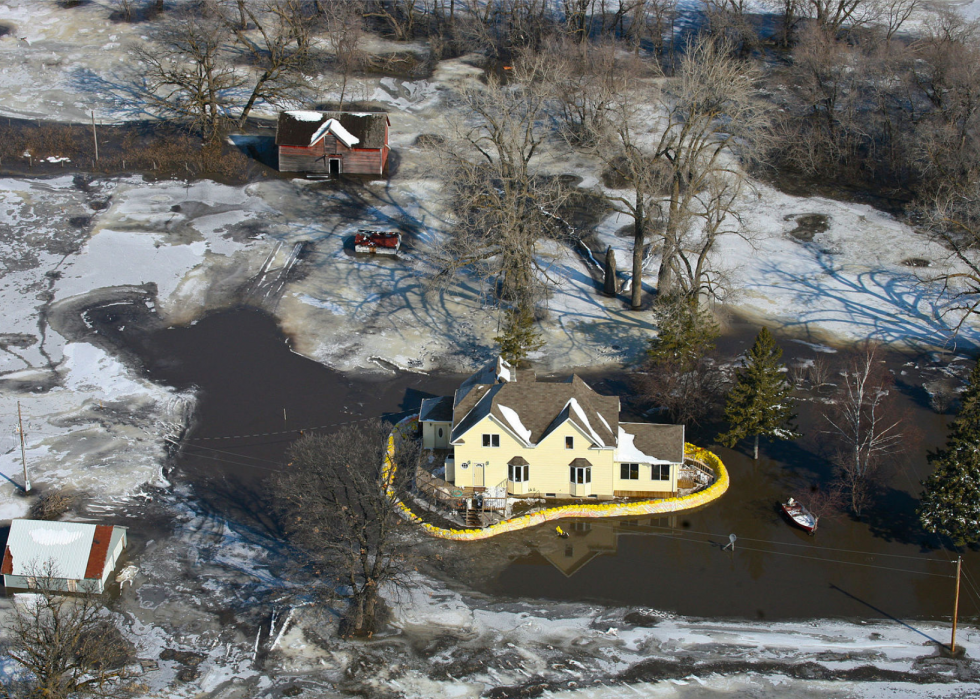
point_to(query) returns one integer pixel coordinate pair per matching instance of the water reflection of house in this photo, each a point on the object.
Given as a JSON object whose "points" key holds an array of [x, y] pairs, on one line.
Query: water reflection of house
{"points": [[585, 541], [588, 540]]}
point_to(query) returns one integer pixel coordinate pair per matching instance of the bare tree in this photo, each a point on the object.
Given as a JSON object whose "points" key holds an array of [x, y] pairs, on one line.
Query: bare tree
{"points": [[187, 69], [833, 15], [624, 146], [585, 82], [893, 14], [953, 218], [278, 53], [67, 644], [501, 209], [729, 19], [401, 16], [344, 32], [340, 504], [948, 75], [713, 123], [864, 425]]}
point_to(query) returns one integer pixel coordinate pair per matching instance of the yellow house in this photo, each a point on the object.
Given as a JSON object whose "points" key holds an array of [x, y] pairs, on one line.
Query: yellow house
{"points": [[512, 435]]}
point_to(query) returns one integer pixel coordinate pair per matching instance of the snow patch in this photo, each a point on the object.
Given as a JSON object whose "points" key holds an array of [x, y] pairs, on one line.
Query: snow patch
{"points": [[514, 420], [580, 414], [303, 115], [54, 537], [627, 451]]}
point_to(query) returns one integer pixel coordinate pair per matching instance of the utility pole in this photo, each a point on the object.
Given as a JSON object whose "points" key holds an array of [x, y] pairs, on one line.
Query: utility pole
{"points": [[27, 480], [95, 137], [956, 605]]}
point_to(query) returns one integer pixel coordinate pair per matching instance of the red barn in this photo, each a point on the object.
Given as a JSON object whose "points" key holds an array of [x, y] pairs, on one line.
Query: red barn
{"points": [[333, 143]]}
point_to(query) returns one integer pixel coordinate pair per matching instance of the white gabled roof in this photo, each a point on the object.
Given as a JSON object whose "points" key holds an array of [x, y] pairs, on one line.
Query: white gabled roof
{"points": [[33, 543], [334, 127]]}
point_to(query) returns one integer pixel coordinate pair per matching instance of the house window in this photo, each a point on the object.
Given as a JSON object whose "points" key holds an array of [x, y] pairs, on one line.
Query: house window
{"points": [[580, 474], [629, 472], [660, 472], [491, 440], [517, 473], [440, 432], [569, 442]]}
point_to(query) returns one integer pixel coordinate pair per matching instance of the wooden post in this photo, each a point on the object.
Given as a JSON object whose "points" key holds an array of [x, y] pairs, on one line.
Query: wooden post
{"points": [[956, 605], [95, 137], [23, 452]]}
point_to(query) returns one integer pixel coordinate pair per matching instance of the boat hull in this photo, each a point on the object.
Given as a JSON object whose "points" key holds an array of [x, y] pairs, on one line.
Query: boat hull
{"points": [[800, 517]]}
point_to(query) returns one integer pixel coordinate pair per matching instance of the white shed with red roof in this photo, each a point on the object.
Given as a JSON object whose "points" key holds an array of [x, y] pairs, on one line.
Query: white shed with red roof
{"points": [[63, 556]]}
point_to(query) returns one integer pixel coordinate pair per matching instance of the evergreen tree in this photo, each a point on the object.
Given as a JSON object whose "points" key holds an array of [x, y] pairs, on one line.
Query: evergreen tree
{"points": [[951, 501], [679, 375], [760, 404], [519, 337], [686, 333]]}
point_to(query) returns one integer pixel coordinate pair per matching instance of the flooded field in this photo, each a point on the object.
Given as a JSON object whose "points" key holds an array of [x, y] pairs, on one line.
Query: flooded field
{"points": [[256, 396]]}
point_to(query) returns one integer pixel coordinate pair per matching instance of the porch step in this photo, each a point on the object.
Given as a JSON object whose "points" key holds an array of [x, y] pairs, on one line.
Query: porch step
{"points": [[473, 519]]}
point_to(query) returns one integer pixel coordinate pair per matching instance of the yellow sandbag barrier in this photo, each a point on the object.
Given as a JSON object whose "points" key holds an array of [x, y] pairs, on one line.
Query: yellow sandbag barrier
{"points": [[625, 509]]}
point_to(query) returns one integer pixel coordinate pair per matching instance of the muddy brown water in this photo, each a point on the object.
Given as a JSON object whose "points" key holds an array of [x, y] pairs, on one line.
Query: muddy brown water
{"points": [[256, 396]]}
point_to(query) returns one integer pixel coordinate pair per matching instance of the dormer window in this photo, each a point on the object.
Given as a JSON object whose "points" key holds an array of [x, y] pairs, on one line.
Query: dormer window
{"points": [[491, 440], [569, 442]]}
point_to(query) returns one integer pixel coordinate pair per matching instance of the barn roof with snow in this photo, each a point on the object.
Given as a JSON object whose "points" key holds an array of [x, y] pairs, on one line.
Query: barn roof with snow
{"points": [[75, 550], [304, 128]]}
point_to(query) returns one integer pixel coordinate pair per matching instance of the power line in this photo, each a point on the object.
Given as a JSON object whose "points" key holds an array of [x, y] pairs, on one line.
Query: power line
{"points": [[231, 453], [813, 558], [295, 429], [806, 546]]}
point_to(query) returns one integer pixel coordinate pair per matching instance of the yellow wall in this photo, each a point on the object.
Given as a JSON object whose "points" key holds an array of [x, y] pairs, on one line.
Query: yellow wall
{"points": [[645, 483], [549, 462]]}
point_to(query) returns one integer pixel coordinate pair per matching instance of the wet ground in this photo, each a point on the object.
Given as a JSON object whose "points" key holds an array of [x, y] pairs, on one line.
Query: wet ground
{"points": [[256, 396]]}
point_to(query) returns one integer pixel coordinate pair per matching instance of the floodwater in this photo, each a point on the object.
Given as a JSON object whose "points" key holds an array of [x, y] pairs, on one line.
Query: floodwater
{"points": [[257, 396]]}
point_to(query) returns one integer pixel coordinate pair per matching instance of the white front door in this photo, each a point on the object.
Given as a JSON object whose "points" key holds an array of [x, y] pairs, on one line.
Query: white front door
{"points": [[581, 481]]}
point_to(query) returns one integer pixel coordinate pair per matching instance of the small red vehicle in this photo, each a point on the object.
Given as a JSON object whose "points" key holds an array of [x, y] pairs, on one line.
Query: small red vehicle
{"points": [[378, 242]]}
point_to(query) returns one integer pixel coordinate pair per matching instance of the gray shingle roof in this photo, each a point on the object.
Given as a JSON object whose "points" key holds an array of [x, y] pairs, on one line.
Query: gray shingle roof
{"points": [[664, 442], [541, 407], [437, 409]]}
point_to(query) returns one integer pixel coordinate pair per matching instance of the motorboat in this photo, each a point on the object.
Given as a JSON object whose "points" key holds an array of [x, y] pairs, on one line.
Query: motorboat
{"points": [[800, 516]]}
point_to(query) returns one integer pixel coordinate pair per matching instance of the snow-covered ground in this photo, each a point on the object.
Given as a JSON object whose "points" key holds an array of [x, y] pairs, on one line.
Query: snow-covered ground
{"points": [[235, 607], [173, 251]]}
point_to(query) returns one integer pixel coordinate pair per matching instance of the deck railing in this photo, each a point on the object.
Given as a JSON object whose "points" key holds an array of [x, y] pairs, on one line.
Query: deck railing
{"points": [[467, 505]]}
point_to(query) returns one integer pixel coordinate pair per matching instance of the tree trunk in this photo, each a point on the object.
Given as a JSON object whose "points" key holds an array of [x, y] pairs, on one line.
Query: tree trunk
{"points": [[665, 277], [609, 281], [756, 447], [252, 99], [639, 236], [370, 607]]}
